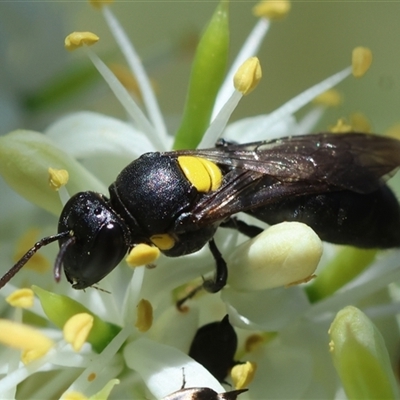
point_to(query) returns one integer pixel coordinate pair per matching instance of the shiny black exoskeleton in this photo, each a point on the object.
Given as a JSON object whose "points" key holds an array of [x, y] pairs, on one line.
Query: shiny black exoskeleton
{"points": [[332, 182]]}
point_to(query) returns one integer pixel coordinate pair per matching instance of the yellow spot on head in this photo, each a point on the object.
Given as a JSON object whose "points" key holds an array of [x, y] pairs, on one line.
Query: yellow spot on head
{"points": [[248, 76], [272, 9], [100, 3], [341, 127], [330, 98], [37, 262], [142, 254], [57, 178], [243, 374], [361, 61], [76, 330], [144, 318], [163, 241], [77, 39], [19, 336], [203, 174], [22, 298]]}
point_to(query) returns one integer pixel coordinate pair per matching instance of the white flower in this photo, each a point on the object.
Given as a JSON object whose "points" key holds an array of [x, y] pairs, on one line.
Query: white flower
{"points": [[293, 363]]}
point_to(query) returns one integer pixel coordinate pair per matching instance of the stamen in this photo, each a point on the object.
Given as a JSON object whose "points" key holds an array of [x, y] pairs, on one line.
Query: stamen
{"points": [[22, 298], [144, 318], [305, 97], [394, 131], [100, 3], [245, 80], [243, 374], [360, 122], [361, 61], [142, 254], [57, 178], [341, 127], [272, 9], [330, 98], [248, 76], [23, 337], [126, 100], [76, 330], [253, 342], [77, 39], [249, 49], [139, 72]]}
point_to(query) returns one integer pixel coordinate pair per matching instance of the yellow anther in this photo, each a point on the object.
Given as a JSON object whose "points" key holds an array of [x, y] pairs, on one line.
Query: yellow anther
{"points": [[57, 178], [361, 61], [22, 298], [330, 98], [394, 131], [77, 39], [360, 122], [144, 318], [19, 336], [247, 76], [243, 374], [74, 396], [27, 356], [76, 330], [163, 241], [203, 174], [253, 342], [91, 377], [37, 262], [272, 9], [341, 127], [100, 3], [142, 254]]}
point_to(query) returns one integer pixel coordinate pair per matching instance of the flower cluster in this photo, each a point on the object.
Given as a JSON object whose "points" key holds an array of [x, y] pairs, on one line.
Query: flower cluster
{"points": [[128, 339]]}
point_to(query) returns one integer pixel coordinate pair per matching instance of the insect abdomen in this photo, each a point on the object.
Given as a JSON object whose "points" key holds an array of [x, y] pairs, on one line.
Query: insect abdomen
{"points": [[362, 220]]}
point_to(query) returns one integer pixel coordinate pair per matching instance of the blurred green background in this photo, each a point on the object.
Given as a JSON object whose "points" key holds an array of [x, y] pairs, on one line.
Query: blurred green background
{"points": [[313, 42]]}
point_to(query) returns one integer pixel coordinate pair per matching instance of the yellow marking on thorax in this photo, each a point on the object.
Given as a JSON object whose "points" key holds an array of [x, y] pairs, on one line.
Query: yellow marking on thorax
{"points": [[203, 174]]}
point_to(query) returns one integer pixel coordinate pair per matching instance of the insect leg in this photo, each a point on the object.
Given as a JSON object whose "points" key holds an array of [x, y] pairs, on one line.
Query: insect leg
{"points": [[242, 227], [221, 274], [210, 285]]}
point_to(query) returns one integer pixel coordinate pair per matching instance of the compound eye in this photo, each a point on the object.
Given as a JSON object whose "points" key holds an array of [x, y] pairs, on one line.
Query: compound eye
{"points": [[101, 239], [107, 250]]}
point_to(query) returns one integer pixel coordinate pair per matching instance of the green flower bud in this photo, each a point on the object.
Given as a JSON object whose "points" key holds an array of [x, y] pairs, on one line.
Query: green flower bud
{"points": [[59, 309], [207, 75], [360, 357]]}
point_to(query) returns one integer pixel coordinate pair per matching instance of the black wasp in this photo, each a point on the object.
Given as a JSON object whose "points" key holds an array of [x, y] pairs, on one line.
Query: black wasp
{"points": [[177, 200], [202, 393]]}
